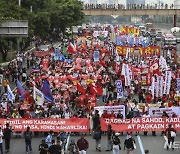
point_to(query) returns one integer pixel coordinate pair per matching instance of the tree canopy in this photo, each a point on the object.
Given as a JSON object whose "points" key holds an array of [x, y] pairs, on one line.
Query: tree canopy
{"points": [[46, 16]]}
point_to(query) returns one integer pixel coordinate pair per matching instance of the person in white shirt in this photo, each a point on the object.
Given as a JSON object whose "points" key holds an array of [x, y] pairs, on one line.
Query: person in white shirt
{"points": [[49, 138], [1, 140]]}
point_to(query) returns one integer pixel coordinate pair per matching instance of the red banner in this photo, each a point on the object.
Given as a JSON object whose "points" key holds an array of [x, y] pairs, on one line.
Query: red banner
{"points": [[140, 124], [45, 125], [43, 53], [149, 51]]}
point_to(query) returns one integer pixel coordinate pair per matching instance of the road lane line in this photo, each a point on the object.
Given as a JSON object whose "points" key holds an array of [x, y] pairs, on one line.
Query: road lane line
{"points": [[68, 139], [140, 144]]}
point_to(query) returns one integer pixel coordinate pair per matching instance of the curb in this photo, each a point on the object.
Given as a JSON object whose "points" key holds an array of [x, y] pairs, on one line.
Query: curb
{"points": [[6, 63]]}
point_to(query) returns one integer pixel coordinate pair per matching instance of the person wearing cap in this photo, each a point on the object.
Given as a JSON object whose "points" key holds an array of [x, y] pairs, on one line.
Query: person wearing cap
{"points": [[129, 144], [116, 144], [49, 138], [7, 137], [1, 140], [82, 145]]}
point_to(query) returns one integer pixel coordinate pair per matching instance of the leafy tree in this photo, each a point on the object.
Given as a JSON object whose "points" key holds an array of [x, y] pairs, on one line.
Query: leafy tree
{"points": [[47, 16], [41, 23]]}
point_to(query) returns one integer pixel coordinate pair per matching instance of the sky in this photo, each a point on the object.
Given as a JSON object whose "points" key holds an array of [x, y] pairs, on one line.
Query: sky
{"points": [[124, 1]]}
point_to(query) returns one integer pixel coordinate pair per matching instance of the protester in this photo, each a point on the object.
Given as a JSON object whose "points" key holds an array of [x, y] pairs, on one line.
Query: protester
{"points": [[63, 138], [73, 149], [116, 144], [82, 145], [129, 143], [43, 147], [146, 151], [28, 139], [171, 134], [1, 140], [49, 138], [54, 148], [109, 138], [96, 120], [7, 137], [146, 115], [97, 137]]}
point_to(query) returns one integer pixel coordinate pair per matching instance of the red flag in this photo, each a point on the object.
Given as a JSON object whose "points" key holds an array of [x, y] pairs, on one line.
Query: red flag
{"points": [[83, 45], [154, 68], [98, 46], [81, 89], [95, 90], [102, 63], [71, 49], [103, 50]]}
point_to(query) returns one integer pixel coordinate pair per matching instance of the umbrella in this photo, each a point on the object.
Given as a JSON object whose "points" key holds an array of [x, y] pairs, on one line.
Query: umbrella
{"points": [[175, 29]]}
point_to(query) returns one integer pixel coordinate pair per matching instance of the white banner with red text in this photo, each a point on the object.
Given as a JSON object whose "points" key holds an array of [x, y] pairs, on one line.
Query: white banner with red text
{"points": [[169, 110], [109, 109]]}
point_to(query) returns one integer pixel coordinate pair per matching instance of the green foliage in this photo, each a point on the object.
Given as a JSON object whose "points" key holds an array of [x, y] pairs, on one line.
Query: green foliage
{"points": [[46, 16]]}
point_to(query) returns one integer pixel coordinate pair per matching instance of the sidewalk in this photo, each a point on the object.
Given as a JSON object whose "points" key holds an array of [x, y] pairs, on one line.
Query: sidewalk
{"points": [[29, 49]]}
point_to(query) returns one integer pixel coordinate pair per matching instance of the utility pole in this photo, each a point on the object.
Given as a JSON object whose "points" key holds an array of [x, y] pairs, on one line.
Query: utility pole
{"points": [[19, 2]]}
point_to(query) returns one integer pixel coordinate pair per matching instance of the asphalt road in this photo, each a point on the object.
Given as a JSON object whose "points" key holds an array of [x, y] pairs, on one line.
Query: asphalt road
{"points": [[154, 144]]}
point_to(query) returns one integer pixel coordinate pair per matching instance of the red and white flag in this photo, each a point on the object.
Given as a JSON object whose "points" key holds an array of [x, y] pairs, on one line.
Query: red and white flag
{"points": [[71, 49]]}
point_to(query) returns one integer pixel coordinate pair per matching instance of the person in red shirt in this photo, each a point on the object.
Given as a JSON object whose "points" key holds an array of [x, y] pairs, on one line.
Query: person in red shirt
{"points": [[170, 103], [112, 115], [148, 98], [82, 144], [27, 115], [105, 114], [170, 131]]}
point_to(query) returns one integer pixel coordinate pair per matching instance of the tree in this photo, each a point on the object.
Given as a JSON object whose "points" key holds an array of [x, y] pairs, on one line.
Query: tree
{"points": [[41, 24]]}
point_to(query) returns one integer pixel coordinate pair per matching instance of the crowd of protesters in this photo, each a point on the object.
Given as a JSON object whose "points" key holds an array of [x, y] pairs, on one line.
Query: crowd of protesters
{"points": [[68, 100], [77, 84], [129, 6]]}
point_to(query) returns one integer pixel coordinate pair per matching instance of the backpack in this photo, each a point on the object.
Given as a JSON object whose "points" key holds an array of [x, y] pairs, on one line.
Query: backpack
{"points": [[28, 136], [129, 143], [116, 141], [97, 135]]}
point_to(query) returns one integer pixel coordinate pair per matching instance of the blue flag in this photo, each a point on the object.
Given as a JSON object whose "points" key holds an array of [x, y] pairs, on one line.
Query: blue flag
{"points": [[47, 92], [20, 89]]}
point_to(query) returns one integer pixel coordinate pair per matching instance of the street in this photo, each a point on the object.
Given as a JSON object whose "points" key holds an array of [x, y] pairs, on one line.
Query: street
{"points": [[154, 144]]}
